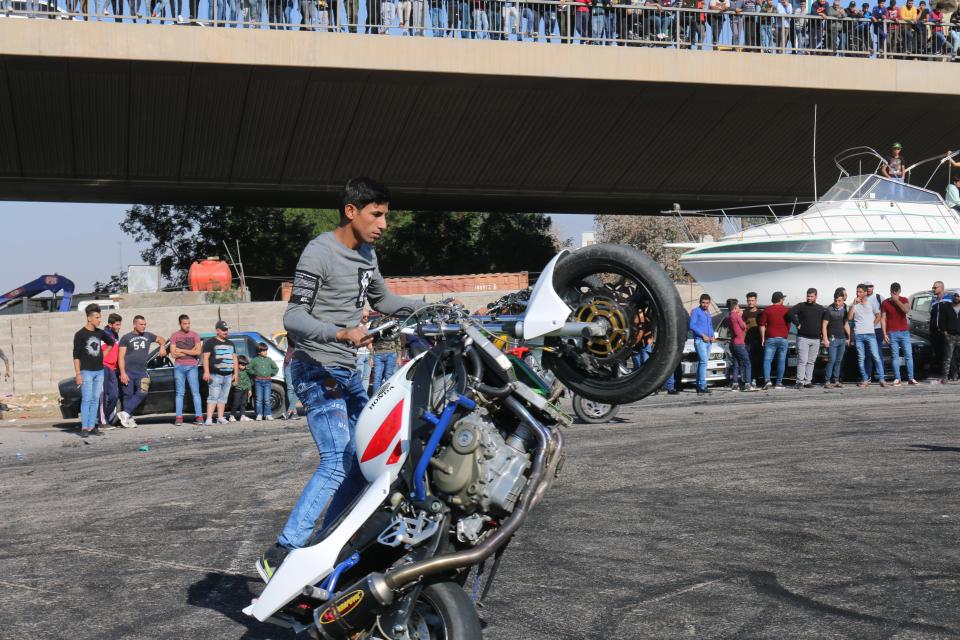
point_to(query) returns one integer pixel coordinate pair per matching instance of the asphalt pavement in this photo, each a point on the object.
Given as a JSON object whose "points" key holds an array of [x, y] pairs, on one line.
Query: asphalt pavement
{"points": [[781, 514]]}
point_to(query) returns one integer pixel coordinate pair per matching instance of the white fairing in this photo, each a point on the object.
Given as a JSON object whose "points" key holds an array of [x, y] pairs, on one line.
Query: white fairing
{"points": [[546, 311], [310, 565], [383, 424], [383, 428]]}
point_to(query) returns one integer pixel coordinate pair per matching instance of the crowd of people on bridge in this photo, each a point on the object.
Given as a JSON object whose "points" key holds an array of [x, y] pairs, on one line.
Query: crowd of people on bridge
{"points": [[903, 28]]}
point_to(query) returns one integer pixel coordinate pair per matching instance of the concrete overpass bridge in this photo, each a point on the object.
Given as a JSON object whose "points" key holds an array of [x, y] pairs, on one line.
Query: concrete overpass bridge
{"points": [[136, 113]]}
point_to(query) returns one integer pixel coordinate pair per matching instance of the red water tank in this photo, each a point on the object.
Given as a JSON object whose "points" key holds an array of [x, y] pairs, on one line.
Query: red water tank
{"points": [[210, 274]]}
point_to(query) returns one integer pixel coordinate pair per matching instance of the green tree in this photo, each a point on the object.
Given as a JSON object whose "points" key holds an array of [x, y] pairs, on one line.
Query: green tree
{"points": [[271, 241]]}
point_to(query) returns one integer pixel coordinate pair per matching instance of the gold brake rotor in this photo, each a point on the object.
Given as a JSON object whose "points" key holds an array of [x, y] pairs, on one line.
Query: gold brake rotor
{"points": [[617, 336]]}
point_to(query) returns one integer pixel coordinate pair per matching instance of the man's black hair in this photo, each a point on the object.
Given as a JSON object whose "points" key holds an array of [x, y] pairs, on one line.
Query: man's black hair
{"points": [[138, 317], [751, 294], [362, 191], [182, 317], [704, 296], [838, 293], [92, 308], [811, 290], [114, 317], [776, 297], [731, 303], [895, 286]]}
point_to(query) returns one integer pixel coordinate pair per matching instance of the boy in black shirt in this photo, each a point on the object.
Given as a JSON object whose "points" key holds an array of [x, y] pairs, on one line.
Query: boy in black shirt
{"points": [[88, 366]]}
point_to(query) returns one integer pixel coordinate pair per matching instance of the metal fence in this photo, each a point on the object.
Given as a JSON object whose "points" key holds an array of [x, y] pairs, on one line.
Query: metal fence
{"points": [[778, 29]]}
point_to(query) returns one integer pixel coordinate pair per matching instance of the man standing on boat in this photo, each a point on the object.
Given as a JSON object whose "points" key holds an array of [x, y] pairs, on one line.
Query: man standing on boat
{"points": [[895, 168], [952, 196]]}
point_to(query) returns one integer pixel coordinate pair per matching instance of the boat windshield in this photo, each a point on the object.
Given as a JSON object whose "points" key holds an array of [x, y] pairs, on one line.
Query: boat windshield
{"points": [[873, 187]]}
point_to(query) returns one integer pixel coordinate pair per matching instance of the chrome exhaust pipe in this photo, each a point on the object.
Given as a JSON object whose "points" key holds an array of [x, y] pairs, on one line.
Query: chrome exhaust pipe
{"points": [[415, 571]]}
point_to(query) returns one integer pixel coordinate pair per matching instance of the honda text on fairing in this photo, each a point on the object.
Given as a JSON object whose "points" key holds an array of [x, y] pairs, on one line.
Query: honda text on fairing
{"points": [[462, 442]]}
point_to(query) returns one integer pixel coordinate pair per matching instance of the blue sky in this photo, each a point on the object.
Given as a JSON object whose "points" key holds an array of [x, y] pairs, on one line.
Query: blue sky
{"points": [[84, 242]]}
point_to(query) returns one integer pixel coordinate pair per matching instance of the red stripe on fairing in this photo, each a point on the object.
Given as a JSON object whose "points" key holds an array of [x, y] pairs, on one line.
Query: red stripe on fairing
{"points": [[385, 434], [395, 456]]}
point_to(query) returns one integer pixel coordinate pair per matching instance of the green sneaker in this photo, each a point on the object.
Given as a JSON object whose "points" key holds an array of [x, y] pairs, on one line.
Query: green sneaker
{"points": [[270, 561]]}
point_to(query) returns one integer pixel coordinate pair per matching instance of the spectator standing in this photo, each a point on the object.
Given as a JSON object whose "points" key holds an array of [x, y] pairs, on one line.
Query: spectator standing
{"points": [[864, 316], [952, 194], [878, 17], [581, 20], [950, 323], [701, 329], [935, 18], [418, 12], [132, 361], [511, 19], [808, 316], [837, 15], [955, 34], [894, 168], [335, 276], [404, 8], [766, 26], [909, 15], [784, 32], [717, 7], [438, 17], [753, 340], [220, 370], [774, 331], [185, 345], [240, 394], [262, 368], [740, 379], [111, 383], [288, 381], [875, 301], [893, 320], [88, 368], [936, 329], [693, 23], [892, 19], [386, 356], [836, 338]]}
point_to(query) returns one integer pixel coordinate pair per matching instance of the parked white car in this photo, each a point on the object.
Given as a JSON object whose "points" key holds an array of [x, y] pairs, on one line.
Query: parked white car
{"points": [[716, 367]]}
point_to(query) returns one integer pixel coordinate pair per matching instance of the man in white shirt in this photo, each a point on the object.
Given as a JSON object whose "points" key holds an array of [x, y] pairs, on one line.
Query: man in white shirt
{"points": [[864, 317], [952, 196]]}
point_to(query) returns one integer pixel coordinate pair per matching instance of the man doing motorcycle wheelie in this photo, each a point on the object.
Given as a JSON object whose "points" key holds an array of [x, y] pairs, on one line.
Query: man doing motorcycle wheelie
{"points": [[335, 278]]}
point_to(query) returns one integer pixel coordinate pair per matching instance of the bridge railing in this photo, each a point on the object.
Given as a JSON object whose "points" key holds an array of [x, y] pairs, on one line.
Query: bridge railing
{"points": [[777, 30]]}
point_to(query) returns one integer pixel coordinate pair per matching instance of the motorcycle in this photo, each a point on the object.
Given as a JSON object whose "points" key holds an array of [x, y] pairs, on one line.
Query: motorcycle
{"points": [[462, 442]]}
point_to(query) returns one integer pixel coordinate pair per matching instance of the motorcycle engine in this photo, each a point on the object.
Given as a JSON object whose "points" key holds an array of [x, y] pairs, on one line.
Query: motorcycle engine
{"points": [[478, 469]]}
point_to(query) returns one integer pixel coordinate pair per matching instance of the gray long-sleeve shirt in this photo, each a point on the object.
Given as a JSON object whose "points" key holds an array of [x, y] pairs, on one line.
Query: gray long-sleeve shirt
{"points": [[331, 285]]}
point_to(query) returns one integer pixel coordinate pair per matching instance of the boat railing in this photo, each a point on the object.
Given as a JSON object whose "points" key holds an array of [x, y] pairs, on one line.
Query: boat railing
{"points": [[814, 220]]}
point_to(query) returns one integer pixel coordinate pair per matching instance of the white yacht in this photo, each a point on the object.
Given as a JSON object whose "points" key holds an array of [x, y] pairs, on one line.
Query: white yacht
{"points": [[866, 228]]}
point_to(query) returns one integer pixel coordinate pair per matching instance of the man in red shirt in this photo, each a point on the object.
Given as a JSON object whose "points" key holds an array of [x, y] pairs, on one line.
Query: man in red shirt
{"points": [[111, 386], [893, 321], [774, 331]]}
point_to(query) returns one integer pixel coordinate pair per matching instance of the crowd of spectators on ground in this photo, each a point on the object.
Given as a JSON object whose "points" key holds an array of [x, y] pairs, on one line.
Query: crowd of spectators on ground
{"points": [[760, 338], [112, 373], [889, 27]]}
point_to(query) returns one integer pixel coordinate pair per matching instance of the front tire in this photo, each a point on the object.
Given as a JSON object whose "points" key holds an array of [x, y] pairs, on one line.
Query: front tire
{"points": [[444, 612]]}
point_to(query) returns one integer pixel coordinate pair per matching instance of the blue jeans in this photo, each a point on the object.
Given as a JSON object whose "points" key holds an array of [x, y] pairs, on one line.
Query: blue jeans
{"points": [[868, 365], [438, 20], [218, 389], [901, 340], [363, 366], [90, 390], [838, 347], [291, 389], [133, 393], [111, 393], [641, 355], [384, 366], [189, 374], [466, 23], [703, 356], [333, 399], [261, 391], [865, 340], [741, 365], [775, 347]]}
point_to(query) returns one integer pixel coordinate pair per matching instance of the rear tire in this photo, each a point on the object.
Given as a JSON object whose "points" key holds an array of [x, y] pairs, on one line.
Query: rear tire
{"points": [[278, 399], [669, 321], [444, 612]]}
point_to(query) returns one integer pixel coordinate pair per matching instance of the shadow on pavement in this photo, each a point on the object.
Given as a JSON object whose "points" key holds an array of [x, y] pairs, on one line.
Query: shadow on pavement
{"points": [[228, 595], [917, 448]]}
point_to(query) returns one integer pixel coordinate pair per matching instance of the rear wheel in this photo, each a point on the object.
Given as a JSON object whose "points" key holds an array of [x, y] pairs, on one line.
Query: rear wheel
{"points": [[613, 285], [593, 412], [444, 612]]}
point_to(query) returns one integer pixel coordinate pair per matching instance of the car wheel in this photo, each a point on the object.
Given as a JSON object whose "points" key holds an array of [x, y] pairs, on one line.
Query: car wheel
{"points": [[278, 399]]}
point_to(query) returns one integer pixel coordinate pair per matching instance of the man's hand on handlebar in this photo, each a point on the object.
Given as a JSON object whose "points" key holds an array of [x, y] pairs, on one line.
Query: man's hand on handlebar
{"points": [[357, 336]]}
